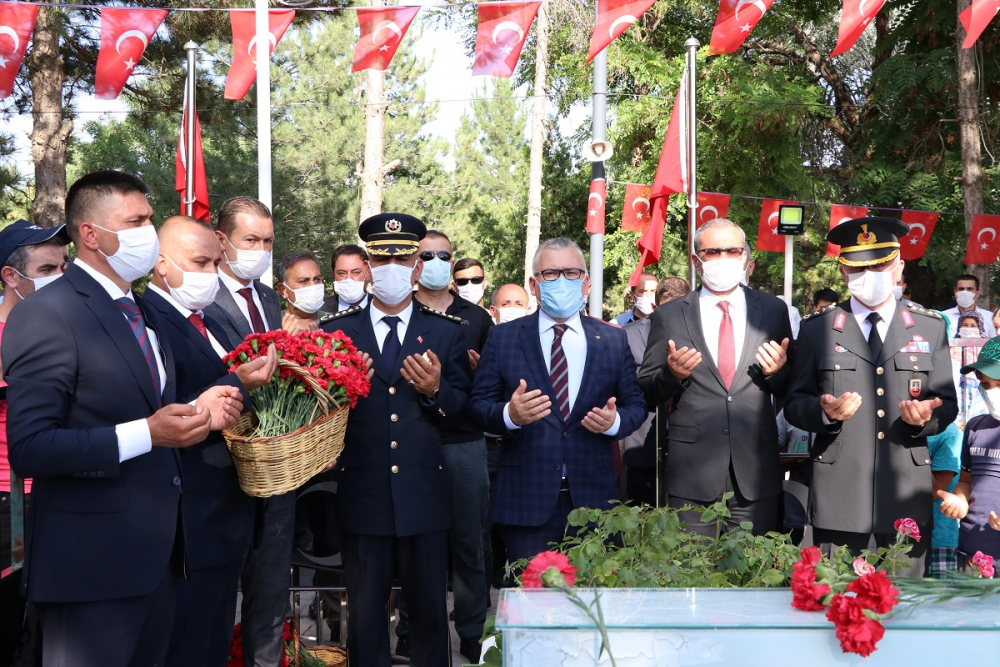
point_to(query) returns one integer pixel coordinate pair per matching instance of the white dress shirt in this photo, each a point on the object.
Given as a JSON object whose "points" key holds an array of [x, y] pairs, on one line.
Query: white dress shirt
{"points": [[861, 313], [711, 320], [186, 313], [134, 438], [234, 286], [574, 345], [382, 328]]}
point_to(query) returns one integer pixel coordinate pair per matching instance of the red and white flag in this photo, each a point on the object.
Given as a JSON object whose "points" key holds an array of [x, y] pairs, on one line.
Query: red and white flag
{"points": [[840, 215], [636, 209], [855, 17], [984, 244], [975, 19], [125, 34], [921, 224], [500, 36], [200, 193], [613, 18], [243, 71], [712, 205], [382, 31], [735, 22], [596, 206], [671, 177], [768, 237], [17, 22]]}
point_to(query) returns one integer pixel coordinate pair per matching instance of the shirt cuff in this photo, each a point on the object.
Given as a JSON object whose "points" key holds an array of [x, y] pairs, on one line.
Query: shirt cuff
{"points": [[511, 426], [133, 439], [613, 429]]}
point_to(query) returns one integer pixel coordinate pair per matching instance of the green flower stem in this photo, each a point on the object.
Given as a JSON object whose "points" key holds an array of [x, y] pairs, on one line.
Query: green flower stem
{"points": [[598, 619]]}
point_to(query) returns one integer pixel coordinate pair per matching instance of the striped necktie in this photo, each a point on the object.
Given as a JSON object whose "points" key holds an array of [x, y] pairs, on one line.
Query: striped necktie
{"points": [[559, 375], [135, 319]]}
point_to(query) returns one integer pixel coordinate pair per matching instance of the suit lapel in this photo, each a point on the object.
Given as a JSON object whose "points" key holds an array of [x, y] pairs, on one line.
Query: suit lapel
{"points": [[896, 337], [692, 317], [219, 332], [851, 335], [754, 313], [412, 342], [173, 318], [595, 350], [270, 301], [364, 338], [237, 320], [531, 343]]}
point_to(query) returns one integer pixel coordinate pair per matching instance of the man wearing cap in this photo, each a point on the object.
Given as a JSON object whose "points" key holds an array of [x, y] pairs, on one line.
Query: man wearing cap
{"points": [[31, 257], [393, 503], [872, 379]]}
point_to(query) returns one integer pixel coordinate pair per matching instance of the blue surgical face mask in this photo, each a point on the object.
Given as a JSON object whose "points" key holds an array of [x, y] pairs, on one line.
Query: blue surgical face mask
{"points": [[436, 274], [561, 298]]}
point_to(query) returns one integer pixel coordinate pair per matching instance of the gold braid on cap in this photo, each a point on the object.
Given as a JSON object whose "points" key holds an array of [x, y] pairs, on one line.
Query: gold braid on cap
{"points": [[871, 262]]}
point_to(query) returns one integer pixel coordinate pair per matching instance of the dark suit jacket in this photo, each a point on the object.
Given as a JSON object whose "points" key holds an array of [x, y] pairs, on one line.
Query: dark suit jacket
{"points": [[532, 457], [639, 449], [863, 483], [97, 529], [218, 516], [233, 322], [393, 479], [710, 426]]}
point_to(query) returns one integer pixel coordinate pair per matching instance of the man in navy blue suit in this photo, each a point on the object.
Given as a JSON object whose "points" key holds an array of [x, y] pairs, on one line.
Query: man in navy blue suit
{"points": [[562, 389], [218, 516], [92, 420]]}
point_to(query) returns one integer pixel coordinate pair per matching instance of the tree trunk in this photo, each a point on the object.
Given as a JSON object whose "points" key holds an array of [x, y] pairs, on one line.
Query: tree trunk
{"points": [[50, 131], [972, 170], [534, 226]]}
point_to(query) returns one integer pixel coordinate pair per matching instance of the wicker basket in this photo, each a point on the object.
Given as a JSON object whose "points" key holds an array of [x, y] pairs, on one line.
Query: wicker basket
{"points": [[276, 465], [330, 655]]}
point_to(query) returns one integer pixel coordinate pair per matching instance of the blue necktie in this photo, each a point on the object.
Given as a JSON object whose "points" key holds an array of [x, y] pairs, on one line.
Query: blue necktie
{"points": [[134, 316], [391, 347]]}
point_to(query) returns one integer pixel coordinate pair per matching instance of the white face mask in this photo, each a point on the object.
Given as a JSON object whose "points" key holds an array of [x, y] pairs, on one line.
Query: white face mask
{"points": [[991, 397], [249, 264], [391, 283], [871, 288], [511, 313], [472, 293], [38, 283], [897, 292], [349, 291], [197, 290], [965, 299], [138, 248], [308, 299], [968, 332], [722, 275], [644, 304]]}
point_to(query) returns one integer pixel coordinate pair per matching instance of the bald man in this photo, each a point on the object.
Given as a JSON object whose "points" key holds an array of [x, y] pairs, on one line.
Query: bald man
{"points": [[509, 302], [217, 516]]}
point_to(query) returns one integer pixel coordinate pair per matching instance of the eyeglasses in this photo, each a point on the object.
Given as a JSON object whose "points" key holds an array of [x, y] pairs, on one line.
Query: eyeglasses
{"points": [[716, 253], [428, 255], [552, 274], [475, 280]]}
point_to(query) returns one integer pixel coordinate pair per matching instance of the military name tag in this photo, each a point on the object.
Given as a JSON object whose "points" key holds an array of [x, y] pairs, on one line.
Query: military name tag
{"points": [[839, 320], [915, 385], [918, 346], [908, 319]]}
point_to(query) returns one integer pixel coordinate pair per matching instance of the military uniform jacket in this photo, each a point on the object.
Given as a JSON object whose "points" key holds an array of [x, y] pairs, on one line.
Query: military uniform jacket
{"points": [[873, 468], [393, 479]]}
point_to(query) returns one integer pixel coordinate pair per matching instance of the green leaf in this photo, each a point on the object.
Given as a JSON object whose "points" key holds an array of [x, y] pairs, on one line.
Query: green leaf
{"points": [[773, 578]]}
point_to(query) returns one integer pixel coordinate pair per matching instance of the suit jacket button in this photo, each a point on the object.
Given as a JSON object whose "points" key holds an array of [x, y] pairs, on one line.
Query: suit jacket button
{"points": [[880, 391], [100, 473], [729, 399], [394, 469], [879, 371], [881, 413], [440, 467], [393, 444], [927, 461], [441, 412], [916, 368], [836, 367], [725, 431], [394, 417], [819, 458], [177, 481], [881, 435], [392, 391]]}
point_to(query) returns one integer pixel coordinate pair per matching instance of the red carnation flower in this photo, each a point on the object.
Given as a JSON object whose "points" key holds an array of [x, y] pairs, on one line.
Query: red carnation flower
{"points": [[875, 592], [857, 633], [548, 569], [806, 593]]}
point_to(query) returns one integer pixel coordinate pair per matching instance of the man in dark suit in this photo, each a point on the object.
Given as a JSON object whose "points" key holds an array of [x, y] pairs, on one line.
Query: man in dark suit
{"points": [[218, 516], [561, 388], [245, 305], [393, 496], [872, 380], [720, 354], [92, 420], [350, 282]]}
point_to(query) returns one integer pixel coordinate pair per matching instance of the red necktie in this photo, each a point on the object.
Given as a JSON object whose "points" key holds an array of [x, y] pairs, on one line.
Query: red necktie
{"points": [[559, 375], [255, 319], [727, 347], [199, 324]]}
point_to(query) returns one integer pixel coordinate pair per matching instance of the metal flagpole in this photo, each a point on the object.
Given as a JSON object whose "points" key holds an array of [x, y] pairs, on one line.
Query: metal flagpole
{"points": [[598, 126], [691, 45], [263, 55], [190, 113]]}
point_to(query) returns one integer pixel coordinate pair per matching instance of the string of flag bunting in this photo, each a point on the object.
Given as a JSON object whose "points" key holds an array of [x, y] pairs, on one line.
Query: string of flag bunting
{"points": [[500, 35]]}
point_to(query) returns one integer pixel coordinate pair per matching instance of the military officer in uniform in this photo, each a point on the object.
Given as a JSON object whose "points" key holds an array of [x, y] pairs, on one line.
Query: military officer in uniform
{"points": [[872, 379], [393, 505]]}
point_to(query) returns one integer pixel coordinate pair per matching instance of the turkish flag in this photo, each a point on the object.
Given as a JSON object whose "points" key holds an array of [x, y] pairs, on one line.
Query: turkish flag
{"points": [[635, 210], [733, 27], [201, 211], [17, 22], [125, 34], [382, 31], [839, 215], [712, 205], [984, 245], [243, 71], [854, 18], [768, 237], [596, 205], [921, 224], [671, 177], [500, 35], [613, 18], [975, 19]]}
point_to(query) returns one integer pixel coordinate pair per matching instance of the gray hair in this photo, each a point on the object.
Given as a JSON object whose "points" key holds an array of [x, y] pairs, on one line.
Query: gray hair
{"points": [[716, 224], [293, 258], [558, 243]]}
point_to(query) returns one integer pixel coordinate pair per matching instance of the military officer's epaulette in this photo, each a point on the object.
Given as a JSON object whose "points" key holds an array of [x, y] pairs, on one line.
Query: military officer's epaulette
{"points": [[431, 311], [832, 306], [329, 317], [920, 310]]}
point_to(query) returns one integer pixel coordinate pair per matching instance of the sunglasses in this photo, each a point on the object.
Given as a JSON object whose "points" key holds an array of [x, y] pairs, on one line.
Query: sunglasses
{"points": [[475, 280], [716, 253], [428, 255]]}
